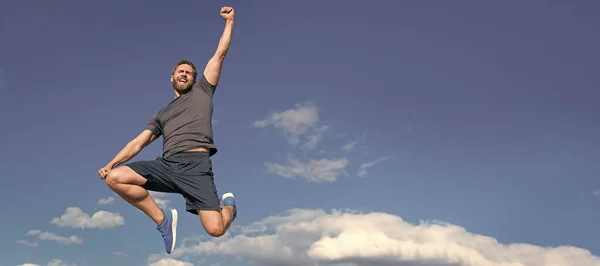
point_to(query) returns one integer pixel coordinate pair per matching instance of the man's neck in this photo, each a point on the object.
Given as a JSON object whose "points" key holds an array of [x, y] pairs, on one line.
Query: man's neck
{"points": [[179, 93]]}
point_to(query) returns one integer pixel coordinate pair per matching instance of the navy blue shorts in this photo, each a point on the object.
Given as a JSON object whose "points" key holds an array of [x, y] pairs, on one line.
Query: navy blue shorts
{"points": [[188, 173]]}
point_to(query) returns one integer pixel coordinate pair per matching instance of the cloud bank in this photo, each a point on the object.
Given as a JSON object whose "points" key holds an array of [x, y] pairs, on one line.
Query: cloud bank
{"points": [[303, 237]]}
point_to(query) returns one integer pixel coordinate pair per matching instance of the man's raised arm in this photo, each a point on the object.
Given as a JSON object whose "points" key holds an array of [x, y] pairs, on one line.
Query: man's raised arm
{"points": [[215, 64]]}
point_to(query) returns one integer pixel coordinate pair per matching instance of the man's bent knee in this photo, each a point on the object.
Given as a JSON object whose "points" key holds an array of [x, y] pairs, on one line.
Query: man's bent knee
{"points": [[123, 175], [212, 222], [215, 230]]}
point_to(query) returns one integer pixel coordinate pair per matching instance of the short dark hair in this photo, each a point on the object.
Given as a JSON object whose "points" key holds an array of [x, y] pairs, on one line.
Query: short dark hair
{"points": [[187, 62]]}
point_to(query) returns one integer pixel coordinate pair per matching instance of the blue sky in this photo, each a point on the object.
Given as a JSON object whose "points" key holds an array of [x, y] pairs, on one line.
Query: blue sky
{"points": [[341, 126]]}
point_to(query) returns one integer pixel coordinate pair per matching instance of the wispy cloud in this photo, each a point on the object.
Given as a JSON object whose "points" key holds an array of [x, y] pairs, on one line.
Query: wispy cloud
{"points": [[28, 243], [350, 146], [596, 192], [54, 262], [105, 201], [301, 122], [49, 236], [362, 171], [120, 254], [314, 171], [315, 137]]}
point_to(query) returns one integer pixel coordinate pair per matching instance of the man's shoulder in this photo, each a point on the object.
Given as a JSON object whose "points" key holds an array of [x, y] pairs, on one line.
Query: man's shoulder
{"points": [[202, 84]]}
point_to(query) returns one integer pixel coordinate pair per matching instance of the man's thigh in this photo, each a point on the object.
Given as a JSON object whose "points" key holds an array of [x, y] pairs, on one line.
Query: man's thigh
{"points": [[156, 173], [195, 181]]}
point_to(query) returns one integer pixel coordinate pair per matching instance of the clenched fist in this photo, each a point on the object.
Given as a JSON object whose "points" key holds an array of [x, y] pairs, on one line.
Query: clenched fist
{"points": [[227, 13], [103, 172]]}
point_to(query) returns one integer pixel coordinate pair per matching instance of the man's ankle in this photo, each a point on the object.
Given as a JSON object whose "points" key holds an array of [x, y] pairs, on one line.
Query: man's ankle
{"points": [[163, 220]]}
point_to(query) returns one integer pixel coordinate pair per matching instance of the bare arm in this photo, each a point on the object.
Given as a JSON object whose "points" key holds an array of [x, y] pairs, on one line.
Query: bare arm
{"points": [[132, 148], [215, 64]]}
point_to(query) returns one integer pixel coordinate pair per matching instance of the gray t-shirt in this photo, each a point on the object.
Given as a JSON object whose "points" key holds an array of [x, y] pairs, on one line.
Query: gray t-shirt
{"points": [[186, 122]]}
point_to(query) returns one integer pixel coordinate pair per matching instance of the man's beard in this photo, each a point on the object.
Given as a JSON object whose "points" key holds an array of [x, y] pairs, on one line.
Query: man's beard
{"points": [[177, 87]]}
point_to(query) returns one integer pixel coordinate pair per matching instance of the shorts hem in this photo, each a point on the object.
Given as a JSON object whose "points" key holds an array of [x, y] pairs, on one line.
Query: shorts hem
{"points": [[138, 169], [195, 208]]}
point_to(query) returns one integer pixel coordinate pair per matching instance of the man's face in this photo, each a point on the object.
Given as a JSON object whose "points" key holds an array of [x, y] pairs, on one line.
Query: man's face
{"points": [[183, 77]]}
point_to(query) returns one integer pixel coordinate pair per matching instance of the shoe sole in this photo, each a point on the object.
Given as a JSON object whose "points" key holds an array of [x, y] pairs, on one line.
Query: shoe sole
{"points": [[227, 195], [174, 228]]}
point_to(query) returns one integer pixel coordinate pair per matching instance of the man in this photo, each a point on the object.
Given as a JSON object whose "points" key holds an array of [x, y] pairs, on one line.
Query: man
{"points": [[185, 166]]}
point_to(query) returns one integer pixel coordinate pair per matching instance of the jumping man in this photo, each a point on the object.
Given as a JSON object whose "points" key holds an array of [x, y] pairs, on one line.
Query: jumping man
{"points": [[185, 166]]}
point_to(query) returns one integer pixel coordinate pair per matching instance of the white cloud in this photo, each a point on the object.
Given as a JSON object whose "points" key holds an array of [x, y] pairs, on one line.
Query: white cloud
{"points": [[159, 198], [301, 126], [106, 201], [74, 217], [315, 237], [28, 243], [54, 262], [597, 192], [313, 139], [314, 171], [57, 262], [170, 262], [301, 121], [362, 171], [120, 253], [49, 236], [163, 260], [350, 146]]}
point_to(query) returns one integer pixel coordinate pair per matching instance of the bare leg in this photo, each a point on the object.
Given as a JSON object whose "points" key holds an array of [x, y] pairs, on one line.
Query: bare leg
{"points": [[216, 223], [127, 183]]}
